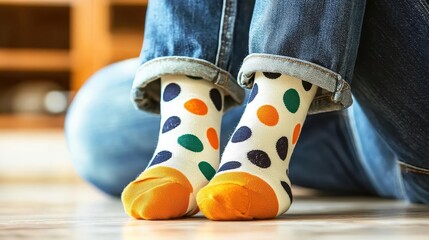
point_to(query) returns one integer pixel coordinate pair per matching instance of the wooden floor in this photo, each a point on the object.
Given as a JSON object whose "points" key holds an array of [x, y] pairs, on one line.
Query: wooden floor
{"points": [[76, 211]]}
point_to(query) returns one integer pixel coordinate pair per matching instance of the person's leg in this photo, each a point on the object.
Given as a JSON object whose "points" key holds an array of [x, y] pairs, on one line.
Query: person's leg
{"points": [[111, 142], [299, 49], [186, 75], [391, 85]]}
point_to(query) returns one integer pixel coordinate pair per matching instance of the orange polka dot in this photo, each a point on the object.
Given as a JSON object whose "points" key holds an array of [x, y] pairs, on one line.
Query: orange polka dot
{"points": [[212, 137], [268, 115], [196, 106], [296, 132]]}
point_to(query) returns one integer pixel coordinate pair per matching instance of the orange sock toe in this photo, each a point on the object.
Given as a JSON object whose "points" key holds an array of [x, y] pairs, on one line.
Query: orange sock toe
{"points": [[159, 193], [237, 196]]}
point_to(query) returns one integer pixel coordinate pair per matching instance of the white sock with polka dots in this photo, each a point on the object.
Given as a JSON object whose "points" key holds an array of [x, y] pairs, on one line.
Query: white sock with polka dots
{"points": [[187, 154], [252, 181]]}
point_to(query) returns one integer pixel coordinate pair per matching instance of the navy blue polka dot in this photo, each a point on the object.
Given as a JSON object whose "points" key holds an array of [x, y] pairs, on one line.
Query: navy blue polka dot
{"points": [[161, 157], [282, 147], [216, 98], [272, 75], [259, 158], [253, 93], [306, 85], [170, 124], [286, 187], [171, 91], [229, 166], [241, 134]]}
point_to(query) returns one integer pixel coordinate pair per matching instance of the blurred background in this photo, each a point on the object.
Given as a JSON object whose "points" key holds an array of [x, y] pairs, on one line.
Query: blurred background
{"points": [[48, 49]]}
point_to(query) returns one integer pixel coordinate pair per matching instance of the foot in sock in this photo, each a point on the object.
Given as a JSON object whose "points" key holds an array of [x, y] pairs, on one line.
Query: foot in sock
{"points": [[252, 181], [187, 154]]}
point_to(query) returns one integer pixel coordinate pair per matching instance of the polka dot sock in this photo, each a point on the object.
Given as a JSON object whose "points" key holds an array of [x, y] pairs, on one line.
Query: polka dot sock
{"points": [[252, 181], [187, 154]]}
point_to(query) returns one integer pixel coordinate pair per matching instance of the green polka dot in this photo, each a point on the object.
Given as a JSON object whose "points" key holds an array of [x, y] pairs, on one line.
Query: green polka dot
{"points": [[191, 142], [207, 170], [291, 100]]}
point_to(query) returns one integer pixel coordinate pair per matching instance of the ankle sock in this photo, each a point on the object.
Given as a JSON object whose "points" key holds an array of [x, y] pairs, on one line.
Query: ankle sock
{"points": [[187, 154], [252, 181]]}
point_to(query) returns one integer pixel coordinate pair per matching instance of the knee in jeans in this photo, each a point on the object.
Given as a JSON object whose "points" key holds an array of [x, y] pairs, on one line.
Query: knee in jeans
{"points": [[93, 161], [92, 124]]}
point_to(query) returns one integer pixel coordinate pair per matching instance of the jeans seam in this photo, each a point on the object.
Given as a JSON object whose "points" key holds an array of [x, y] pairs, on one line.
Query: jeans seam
{"points": [[425, 6], [411, 168], [226, 28], [304, 64], [349, 41], [222, 78], [168, 58]]}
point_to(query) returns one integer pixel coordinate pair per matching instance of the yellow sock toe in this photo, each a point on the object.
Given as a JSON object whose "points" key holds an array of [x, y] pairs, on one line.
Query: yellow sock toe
{"points": [[158, 193], [237, 196]]}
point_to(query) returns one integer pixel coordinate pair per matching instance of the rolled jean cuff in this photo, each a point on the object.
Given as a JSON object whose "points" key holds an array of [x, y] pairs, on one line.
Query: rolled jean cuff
{"points": [[334, 92], [146, 88]]}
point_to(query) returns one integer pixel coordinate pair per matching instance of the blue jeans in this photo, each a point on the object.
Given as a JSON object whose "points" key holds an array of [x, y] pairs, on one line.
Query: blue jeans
{"points": [[377, 146], [312, 40]]}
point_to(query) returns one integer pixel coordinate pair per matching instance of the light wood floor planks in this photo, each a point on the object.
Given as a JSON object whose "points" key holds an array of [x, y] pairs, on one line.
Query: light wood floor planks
{"points": [[76, 211]]}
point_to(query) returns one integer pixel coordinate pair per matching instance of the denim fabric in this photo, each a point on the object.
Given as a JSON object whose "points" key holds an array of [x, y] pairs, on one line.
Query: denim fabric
{"points": [[316, 41], [313, 40], [197, 38], [373, 154], [391, 85], [322, 32]]}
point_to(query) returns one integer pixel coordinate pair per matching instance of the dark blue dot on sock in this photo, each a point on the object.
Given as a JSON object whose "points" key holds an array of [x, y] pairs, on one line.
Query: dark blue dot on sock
{"points": [[161, 157], [272, 75], [171, 91], [241, 134], [253, 93], [229, 166], [259, 158], [306, 85], [216, 98], [288, 190], [170, 124], [282, 147]]}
